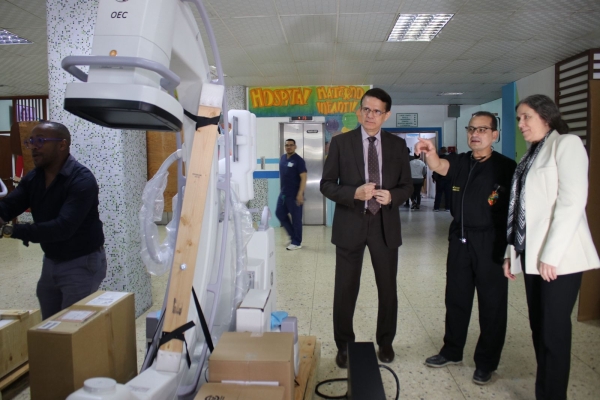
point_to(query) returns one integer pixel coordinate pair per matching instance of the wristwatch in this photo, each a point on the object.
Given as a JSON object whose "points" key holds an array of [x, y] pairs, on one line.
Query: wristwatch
{"points": [[7, 231]]}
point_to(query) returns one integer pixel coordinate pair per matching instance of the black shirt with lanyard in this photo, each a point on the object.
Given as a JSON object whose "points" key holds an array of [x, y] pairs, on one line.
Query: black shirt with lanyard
{"points": [[480, 194]]}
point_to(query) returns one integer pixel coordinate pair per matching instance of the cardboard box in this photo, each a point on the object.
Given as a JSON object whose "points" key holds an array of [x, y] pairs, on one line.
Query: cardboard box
{"points": [[95, 337], [13, 337], [252, 357], [239, 392], [254, 313]]}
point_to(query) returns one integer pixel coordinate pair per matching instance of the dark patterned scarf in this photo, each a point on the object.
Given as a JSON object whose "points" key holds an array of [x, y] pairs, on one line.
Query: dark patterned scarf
{"points": [[516, 207]]}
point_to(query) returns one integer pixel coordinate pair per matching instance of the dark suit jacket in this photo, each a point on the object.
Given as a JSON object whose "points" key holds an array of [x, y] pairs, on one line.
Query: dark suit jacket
{"points": [[344, 171]]}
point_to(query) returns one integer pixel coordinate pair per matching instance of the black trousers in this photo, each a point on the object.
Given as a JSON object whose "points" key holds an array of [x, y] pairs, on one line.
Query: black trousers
{"points": [[471, 267], [550, 307], [443, 188], [348, 267], [416, 195]]}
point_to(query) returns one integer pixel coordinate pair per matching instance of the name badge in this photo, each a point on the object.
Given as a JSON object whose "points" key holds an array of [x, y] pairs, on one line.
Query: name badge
{"points": [[455, 189], [290, 164]]}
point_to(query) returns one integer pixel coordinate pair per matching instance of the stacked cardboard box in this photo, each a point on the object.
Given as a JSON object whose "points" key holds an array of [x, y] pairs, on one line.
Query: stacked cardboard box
{"points": [[13, 337], [251, 358], [239, 392], [93, 338]]}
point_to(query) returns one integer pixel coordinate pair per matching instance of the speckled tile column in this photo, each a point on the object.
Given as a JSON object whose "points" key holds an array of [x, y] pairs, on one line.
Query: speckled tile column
{"points": [[236, 97], [116, 157], [260, 200]]}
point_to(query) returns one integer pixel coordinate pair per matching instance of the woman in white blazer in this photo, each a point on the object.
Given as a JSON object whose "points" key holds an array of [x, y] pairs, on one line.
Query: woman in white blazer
{"points": [[548, 235]]}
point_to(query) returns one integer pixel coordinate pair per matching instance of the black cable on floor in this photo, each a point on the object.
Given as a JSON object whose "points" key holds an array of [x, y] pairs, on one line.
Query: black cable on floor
{"points": [[329, 381], [324, 396]]}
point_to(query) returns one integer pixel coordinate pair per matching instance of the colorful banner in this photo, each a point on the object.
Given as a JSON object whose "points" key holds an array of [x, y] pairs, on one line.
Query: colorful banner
{"points": [[295, 101]]}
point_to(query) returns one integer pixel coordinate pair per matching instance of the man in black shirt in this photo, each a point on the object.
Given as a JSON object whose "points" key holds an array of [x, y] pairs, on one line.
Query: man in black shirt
{"points": [[63, 197], [480, 181]]}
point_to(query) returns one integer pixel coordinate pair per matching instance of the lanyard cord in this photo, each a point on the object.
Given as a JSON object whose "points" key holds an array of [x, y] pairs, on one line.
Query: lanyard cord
{"points": [[463, 239]]}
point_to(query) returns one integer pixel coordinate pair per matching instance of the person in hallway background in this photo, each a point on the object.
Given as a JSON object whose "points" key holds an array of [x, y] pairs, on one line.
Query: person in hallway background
{"points": [[442, 187], [550, 240], [292, 176], [480, 182], [63, 197], [367, 215], [418, 172]]}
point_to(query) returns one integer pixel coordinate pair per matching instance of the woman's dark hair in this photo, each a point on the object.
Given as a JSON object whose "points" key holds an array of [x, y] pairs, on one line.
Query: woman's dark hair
{"points": [[547, 110]]}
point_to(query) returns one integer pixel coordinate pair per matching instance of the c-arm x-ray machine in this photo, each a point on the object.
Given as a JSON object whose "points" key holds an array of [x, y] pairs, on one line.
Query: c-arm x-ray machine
{"points": [[148, 65]]}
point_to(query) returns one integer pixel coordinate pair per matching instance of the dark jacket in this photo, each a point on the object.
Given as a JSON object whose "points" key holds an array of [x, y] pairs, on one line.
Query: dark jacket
{"points": [[344, 171]]}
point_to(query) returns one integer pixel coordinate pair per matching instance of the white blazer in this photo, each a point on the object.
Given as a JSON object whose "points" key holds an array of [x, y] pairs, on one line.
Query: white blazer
{"points": [[556, 191]]}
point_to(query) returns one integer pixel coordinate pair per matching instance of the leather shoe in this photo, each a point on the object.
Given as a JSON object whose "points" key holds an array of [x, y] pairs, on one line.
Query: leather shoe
{"points": [[342, 358], [386, 353], [481, 377], [439, 361]]}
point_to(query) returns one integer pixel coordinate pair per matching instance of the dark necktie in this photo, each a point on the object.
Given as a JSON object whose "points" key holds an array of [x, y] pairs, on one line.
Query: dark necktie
{"points": [[373, 168]]}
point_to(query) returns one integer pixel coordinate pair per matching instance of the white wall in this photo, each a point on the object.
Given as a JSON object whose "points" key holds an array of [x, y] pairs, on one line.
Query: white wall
{"points": [[539, 83], [430, 117]]}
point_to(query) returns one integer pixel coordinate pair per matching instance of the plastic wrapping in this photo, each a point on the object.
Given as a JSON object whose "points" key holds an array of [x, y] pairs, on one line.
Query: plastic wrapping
{"points": [[157, 256], [235, 280]]}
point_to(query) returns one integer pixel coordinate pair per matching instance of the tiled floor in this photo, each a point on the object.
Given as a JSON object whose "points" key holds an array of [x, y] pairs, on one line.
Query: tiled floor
{"points": [[305, 290]]}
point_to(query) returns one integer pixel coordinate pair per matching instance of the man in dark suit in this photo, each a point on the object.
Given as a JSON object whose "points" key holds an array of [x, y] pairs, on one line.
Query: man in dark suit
{"points": [[366, 214]]}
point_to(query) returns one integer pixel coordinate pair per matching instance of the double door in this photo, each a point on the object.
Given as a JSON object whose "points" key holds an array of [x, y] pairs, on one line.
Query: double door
{"points": [[310, 145]]}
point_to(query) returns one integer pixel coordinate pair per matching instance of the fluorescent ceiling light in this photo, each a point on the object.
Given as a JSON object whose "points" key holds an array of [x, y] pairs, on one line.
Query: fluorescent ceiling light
{"points": [[450, 94], [418, 27], [7, 37]]}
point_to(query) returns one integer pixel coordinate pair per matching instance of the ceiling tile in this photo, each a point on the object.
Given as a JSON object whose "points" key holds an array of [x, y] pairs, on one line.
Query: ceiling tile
{"points": [[209, 10], [276, 53], [472, 26], [222, 35], [357, 51], [466, 65], [313, 7], [310, 80], [314, 67], [401, 50], [578, 25], [349, 79], [363, 7], [526, 25], [490, 49], [12, 16], [414, 77], [254, 8], [487, 6], [281, 69], [445, 50], [407, 87], [381, 79], [256, 31], [309, 28], [432, 6], [290, 80], [427, 66], [365, 27], [351, 67], [388, 67], [312, 51]]}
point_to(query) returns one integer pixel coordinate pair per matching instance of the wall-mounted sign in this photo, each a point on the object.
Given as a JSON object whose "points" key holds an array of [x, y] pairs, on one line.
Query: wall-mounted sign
{"points": [[304, 100], [407, 120]]}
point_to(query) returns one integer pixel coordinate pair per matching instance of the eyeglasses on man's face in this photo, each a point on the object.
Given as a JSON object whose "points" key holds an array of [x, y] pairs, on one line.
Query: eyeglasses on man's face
{"points": [[366, 111], [479, 129], [38, 142]]}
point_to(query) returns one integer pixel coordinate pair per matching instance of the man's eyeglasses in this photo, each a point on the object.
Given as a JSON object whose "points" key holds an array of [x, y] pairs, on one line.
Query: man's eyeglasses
{"points": [[478, 129], [38, 142], [366, 111]]}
